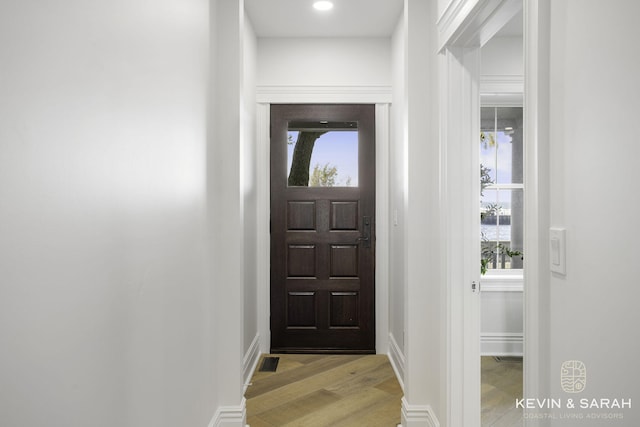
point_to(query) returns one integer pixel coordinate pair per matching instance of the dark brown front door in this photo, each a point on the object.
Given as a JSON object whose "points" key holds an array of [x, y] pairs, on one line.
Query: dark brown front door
{"points": [[322, 228]]}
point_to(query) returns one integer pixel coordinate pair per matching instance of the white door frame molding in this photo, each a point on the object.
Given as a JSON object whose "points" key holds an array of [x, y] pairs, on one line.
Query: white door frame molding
{"points": [[536, 199], [460, 101], [474, 22], [381, 97], [463, 28]]}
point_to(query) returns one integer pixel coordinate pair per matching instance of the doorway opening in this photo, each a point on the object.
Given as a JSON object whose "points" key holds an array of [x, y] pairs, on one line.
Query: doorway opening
{"points": [[502, 194], [501, 264], [465, 80]]}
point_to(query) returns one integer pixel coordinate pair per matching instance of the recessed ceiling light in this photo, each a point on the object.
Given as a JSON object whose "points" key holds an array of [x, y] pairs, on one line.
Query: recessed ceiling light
{"points": [[323, 5]]}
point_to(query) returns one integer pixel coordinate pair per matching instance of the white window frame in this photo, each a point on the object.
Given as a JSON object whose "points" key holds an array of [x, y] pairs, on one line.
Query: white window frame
{"points": [[499, 275]]}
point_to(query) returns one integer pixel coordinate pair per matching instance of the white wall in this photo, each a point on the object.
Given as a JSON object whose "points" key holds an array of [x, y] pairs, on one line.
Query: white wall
{"points": [[502, 56], [424, 343], [103, 282], [501, 323], [397, 194], [248, 141], [228, 222], [324, 61], [595, 102]]}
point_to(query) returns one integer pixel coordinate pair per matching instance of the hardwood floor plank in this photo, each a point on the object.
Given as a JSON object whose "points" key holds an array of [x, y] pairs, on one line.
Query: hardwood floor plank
{"points": [[512, 418], [501, 386], [386, 414], [340, 410], [353, 391], [263, 384], [300, 407], [256, 421], [391, 386], [293, 387], [325, 390], [495, 404], [364, 376]]}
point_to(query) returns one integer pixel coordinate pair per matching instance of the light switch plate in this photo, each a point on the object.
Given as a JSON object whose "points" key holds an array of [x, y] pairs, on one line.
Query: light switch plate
{"points": [[558, 250]]}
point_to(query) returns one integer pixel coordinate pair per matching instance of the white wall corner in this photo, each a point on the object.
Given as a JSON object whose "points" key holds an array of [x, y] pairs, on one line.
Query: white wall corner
{"points": [[230, 416], [418, 415], [250, 361], [397, 359]]}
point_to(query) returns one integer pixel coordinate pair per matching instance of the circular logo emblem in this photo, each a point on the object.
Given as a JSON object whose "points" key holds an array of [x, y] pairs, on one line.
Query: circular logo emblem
{"points": [[573, 376]]}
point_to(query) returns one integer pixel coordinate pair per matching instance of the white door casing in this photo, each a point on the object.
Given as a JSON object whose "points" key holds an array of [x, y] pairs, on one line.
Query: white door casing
{"points": [[463, 27], [381, 97]]}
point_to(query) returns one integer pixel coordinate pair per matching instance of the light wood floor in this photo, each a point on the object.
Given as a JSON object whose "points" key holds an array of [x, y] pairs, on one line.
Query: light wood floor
{"points": [[353, 391], [501, 386], [325, 390]]}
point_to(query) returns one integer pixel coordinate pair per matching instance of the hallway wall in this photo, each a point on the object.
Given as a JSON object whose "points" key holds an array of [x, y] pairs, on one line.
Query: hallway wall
{"points": [[424, 401], [593, 164], [103, 282], [249, 185], [397, 196], [502, 56], [326, 61]]}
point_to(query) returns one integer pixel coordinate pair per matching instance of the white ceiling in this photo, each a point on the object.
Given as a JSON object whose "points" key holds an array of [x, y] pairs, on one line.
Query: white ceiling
{"points": [[348, 18]]}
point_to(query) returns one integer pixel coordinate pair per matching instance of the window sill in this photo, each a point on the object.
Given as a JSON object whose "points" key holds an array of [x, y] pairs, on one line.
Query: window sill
{"points": [[503, 281]]}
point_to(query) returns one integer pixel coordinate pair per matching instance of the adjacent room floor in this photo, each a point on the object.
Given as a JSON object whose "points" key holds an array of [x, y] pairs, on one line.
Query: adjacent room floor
{"points": [[501, 386]]}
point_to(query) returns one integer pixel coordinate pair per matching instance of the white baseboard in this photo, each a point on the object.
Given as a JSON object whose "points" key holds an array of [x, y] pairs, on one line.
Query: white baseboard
{"points": [[501, 344], [250, 361], [230, 416], [397, 359], [418, 415]]}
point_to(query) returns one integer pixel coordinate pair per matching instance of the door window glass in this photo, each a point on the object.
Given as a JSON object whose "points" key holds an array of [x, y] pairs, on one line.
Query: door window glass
{"points": [[322, 154]]}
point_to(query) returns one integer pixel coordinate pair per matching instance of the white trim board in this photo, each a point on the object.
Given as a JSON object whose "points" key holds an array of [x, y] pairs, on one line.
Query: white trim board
{"points": [[501, 344], [323, 94], [501, 90], [536, 203], [250, 361], [501, 283], [500, 83], [397, 359], [418, 415], [466, 23], [460, 104], [263, 238], [382, 227], [230, 416], [500, 286], [379, 95]]}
